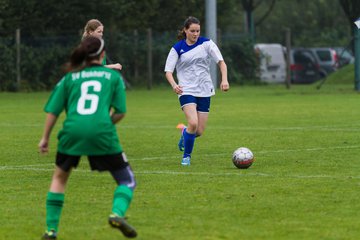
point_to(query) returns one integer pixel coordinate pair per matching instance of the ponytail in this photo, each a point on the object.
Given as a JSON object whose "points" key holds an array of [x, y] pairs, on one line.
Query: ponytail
{"points": [[181, 34], [78, 57], [88, 50]]}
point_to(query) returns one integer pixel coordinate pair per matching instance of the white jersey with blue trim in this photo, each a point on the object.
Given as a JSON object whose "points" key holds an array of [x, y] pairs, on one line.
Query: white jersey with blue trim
{"points": [[192, 63]]}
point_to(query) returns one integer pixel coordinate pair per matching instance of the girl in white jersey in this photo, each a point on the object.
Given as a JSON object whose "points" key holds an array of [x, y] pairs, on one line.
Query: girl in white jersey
{"points": [[191, 57]]}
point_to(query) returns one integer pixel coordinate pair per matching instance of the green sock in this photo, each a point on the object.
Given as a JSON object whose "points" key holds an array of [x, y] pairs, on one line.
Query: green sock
{"points": [[54, 204], [122, 199]]}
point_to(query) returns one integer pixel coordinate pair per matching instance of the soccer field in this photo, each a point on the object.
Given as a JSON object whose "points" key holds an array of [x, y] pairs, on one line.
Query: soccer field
{"points": [[304, 184]]}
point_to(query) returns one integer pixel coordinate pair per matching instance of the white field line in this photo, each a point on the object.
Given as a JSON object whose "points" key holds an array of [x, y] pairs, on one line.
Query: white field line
{"points": [[43, 167], [218, 174], [255, 152], [203, 155], [347, 128]]}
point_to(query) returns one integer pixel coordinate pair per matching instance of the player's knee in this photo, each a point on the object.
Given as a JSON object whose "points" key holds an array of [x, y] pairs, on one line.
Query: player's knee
{"points": [[192, 126], [130, 183], [125, 177]]}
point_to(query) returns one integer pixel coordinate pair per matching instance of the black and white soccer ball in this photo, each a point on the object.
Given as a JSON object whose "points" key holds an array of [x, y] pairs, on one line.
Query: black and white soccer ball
{"points": [[243, 158]]}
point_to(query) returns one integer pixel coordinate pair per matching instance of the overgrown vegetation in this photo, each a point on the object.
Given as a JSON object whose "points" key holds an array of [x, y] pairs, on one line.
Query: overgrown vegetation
{"points": [[50, 29], [42, 59]]}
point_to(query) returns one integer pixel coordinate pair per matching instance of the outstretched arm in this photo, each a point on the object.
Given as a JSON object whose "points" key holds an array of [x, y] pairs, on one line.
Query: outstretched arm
{"points": [[49, 124], [116, 66]]}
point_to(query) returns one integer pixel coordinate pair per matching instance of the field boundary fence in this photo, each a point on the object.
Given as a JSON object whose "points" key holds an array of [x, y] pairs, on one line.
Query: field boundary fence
{"points": [[31, 63]]}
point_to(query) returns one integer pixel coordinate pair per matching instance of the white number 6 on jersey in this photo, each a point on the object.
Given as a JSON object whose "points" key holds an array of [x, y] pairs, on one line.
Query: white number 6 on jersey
{"points": [[85, 96]]}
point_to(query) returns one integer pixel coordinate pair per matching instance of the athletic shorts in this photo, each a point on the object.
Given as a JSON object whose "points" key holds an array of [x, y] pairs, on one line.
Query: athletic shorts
{"points": [[202, 103], [110, 162]]}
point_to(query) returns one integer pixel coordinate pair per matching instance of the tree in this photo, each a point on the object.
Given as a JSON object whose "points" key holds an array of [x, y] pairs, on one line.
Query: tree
{"points": [[249, 7], [267, 13], [352, 11], [318, 23], [54, 17]]}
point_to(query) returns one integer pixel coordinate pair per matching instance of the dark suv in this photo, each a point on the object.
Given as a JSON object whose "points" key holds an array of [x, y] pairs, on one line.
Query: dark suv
{"points": [[303, 66], [327, 59]]}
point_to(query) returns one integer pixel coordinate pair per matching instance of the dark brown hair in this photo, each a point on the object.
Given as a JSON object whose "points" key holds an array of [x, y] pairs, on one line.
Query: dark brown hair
{"points": [[89, 49], [190, 20]]}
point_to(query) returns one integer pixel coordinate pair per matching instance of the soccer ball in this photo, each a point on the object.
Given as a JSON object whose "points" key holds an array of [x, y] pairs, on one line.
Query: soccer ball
{"points": [[243, 158]]}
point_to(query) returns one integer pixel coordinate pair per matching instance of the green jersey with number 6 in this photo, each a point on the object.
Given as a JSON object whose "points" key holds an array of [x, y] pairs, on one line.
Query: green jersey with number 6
{"points": [[87, 97]]}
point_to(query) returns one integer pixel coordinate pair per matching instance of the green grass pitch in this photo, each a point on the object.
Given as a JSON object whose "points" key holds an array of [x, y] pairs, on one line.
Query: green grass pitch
{"points": [[304, 184]]}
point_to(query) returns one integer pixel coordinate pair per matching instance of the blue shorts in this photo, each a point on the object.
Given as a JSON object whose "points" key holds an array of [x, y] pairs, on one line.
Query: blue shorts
{"points": [[202, 103]]}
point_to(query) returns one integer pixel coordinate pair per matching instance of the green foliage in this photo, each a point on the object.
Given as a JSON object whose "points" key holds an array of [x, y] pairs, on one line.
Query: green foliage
{"points": [[52, 17], [42, 61], [319, 23], [44, 71], [351, 9], [241, 61], [131, 50], [312, 23], [8, 61], [303, 184], [42, 58], [307, 19]]}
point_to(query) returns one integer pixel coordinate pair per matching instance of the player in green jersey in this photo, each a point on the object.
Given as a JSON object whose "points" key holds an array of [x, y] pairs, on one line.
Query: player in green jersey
{"points": [[87, 93], [95, 28]]}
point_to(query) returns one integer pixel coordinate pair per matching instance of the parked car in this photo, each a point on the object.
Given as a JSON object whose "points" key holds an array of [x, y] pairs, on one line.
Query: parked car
{"points": [[327, 59], [271, 62], [344, 55], [303, 66]]}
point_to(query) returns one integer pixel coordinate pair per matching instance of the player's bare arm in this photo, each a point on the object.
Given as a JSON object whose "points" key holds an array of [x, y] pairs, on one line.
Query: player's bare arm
{"points": [[49, 124], [117, 117], [176, 88], [224, 84]]}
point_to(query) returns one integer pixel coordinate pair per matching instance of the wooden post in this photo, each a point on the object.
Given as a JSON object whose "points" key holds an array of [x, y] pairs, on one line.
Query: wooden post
{"points": [[149, 58], [136, 50], [288, 52], [18, 70]]}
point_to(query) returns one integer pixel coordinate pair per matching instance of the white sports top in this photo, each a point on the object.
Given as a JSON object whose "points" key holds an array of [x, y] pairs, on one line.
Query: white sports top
{"points": [[193, 66]]}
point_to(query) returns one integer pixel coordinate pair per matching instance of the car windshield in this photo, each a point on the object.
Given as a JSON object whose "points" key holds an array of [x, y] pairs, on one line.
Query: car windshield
{"points": [[302, 57], [324, 55]]}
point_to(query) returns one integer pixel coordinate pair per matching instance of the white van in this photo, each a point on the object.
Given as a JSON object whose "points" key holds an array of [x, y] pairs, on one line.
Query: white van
{"points": [[272, 62]]}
